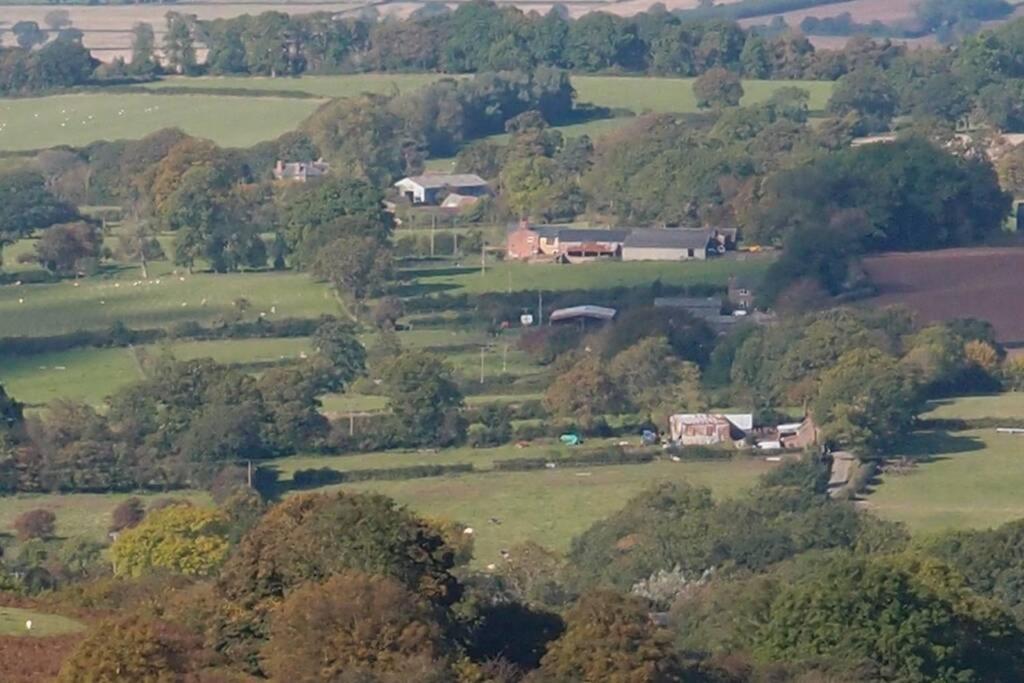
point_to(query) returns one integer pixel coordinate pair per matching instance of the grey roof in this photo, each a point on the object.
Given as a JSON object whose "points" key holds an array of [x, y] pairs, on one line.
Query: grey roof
{"points": [[712, 302], [585, 311], [668, 238], [581, 234], [435, 181]]}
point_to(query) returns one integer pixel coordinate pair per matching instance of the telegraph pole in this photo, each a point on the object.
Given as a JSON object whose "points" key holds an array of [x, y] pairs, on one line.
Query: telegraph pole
{"points": [[482, 350], [540, 308]]}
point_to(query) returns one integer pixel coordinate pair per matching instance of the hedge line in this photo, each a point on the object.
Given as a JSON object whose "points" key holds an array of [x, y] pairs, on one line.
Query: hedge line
{"points": [[323, 476], [118, 335], [608, 456]]}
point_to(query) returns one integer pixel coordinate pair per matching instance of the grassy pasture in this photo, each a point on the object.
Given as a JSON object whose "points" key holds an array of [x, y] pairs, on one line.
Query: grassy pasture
{"points": [[970, 479], [46, 309], [12, 623], [41, 122], [551, 507], [78, 119], [516, 276], [88, 375], [83, 514]]}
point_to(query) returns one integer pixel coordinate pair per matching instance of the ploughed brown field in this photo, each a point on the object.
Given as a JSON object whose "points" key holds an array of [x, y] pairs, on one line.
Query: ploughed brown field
{"points": [[983, 282]]}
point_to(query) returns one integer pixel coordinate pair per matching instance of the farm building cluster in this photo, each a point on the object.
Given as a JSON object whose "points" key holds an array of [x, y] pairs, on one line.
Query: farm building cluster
{"points": [[712, 429], [580, 245]]}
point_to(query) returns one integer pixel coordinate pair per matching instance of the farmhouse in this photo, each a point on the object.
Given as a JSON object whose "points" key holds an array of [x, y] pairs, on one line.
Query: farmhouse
{"points": [[705, 429], [568, 245], [300, 171], [431, 188]]}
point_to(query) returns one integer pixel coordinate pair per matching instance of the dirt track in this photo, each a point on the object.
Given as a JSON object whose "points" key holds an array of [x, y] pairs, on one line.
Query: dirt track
{"points": [[986, 283]]}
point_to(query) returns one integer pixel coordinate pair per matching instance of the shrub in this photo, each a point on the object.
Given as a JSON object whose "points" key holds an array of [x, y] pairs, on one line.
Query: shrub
{"points": [[37, 523], [127, 514]]}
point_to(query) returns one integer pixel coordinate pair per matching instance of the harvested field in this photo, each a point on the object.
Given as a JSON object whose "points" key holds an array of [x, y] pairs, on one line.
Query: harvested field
{"points": [[982, 282], [862, 11]]}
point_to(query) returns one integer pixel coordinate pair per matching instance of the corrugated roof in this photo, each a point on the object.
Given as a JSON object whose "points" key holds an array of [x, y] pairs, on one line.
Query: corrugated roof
{"points": [[585, 311], [668, 238], [580, 234], [439, 180]]}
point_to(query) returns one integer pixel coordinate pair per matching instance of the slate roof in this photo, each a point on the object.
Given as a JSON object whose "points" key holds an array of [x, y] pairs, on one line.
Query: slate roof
{"points": [[436, 181], [668, 238]]}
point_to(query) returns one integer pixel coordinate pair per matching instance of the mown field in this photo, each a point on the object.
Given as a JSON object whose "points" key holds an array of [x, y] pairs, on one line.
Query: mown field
{"points": [[96, 303], [13, 620], [969, 479], [41, 122], [550, 507], [517, 276]]}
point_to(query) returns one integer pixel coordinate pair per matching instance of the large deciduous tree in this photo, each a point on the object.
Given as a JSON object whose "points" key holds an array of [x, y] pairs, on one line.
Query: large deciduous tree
{"points": [[353, 623], [424, 399], [182, 539]]}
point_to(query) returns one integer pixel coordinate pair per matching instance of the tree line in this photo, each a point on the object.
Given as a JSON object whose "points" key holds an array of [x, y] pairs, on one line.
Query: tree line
{"points": [[779, 583]]}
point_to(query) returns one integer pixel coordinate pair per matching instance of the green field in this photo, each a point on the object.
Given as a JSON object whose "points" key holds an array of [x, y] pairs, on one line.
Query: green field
{"points": [[241, 121], [83, 514], [516, 276], [88, 375], [41, 122], [552, 506], [970, 479], [96, 303], [12, 623]]}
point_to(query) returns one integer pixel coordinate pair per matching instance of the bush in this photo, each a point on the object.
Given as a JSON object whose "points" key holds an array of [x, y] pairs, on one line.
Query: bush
{"points": [[37, 523], [127, 514]]}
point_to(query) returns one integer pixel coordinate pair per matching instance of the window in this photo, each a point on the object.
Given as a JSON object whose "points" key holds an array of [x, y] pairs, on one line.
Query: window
{"points": [[689, 253]]}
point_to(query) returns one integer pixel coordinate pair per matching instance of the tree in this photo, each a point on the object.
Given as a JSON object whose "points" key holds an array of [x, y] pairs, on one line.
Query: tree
{"points": [[356, 266], [65, 248], [867, 93], [718, 88], [609, 637], [312, 537], [182, 539], [57, 19], [28, 34], [424, 399], [144, 62], [179, 44], [26, 205], [130, 649], [138, 242], [867, 402], [37, 523], [655, 380], [904, 619], [585, 391], [343, 354], [127, 514], [352, 623]]}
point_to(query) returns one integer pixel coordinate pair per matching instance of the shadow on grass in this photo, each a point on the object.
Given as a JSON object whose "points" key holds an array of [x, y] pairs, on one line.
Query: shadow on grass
{"points": [[930, 446]]}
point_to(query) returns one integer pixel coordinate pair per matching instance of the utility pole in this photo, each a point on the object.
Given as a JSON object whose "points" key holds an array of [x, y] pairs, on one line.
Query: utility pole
{"points": [[351, 423], [433, 224], [504, 359], [508, 270], [540, 308], [248, 472], [482, 350], [483, 259], [455, 243]]}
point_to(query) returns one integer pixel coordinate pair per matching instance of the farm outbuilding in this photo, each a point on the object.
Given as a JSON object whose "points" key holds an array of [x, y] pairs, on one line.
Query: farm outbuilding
{"points": [[582, 315], [431, 188], [707, 429], [565, 244], [666, 244], [300, 171]]}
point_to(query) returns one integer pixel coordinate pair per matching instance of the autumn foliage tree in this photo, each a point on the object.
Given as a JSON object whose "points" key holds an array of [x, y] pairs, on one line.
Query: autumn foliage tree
{"points": [[609, 637], [130, 649], [181, 539], [312, 537], [37, 523], [353, 623]]}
